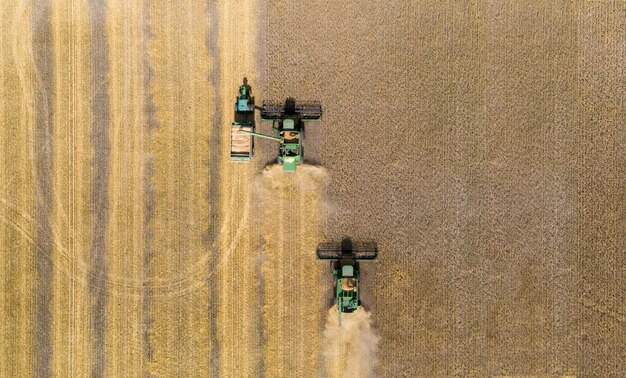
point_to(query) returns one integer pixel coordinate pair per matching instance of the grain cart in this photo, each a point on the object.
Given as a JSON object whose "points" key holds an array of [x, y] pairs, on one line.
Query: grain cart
{"points": [[242, 144], [345, 267]]}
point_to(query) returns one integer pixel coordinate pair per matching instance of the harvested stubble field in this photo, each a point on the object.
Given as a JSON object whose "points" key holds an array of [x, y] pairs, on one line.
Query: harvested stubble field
{"points": [[481, 144]]}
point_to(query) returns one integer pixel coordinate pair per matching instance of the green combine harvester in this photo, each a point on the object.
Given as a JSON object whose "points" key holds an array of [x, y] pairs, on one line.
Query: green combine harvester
{"points": [[287, 120], [345, 267]]}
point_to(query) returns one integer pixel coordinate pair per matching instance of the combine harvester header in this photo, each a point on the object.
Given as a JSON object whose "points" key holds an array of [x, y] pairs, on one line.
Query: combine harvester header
{"points": [[287, 123]]}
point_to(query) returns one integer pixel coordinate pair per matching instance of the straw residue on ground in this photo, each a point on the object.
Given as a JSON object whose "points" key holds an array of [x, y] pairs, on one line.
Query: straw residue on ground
{"points": [[18, 246], [236, 270], [291, 228], [72, 179], [124, 348], [179, 340]]}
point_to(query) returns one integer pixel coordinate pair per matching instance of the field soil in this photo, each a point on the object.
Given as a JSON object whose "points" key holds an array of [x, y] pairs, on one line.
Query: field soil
{"points": [[480, 144]]}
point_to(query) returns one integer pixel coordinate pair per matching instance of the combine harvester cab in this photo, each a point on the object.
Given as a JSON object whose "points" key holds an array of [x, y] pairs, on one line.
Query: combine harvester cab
{"points": [[345, 268], [241, 143], [290, 152]]}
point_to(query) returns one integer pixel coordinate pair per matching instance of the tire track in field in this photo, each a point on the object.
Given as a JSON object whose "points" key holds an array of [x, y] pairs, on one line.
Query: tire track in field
{"points": [[96, 278], [71, 332], [291, 208], [213, 196], [151, 124], [100, 162]]}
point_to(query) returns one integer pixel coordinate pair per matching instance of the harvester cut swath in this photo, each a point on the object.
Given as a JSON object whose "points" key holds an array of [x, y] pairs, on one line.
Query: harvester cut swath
{"points": [[344, 260]]}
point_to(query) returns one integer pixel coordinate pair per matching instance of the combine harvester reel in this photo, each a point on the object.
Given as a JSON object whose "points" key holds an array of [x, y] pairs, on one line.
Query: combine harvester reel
{"points": [[345, 268], [287, 119]]}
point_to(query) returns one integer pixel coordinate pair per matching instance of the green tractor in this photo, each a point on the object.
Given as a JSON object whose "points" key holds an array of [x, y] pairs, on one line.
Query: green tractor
{"points": [[345, 267], [242, 144], [287, 120]]}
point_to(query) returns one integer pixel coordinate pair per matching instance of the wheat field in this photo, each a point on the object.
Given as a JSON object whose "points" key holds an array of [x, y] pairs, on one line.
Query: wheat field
{"points": [[480, 144]]}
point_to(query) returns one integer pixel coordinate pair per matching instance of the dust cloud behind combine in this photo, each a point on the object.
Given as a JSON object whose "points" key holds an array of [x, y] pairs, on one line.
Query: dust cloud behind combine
{"points": [[307, 179], [349, 349]]}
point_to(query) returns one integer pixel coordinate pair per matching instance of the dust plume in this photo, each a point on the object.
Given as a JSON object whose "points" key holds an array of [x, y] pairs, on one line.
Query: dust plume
{"points": [[349, 350], [307, 178]]}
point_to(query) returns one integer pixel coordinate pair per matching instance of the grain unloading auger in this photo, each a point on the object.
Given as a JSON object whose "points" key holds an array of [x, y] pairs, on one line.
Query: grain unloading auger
{"points": [[287, 119], [345, 259]]}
